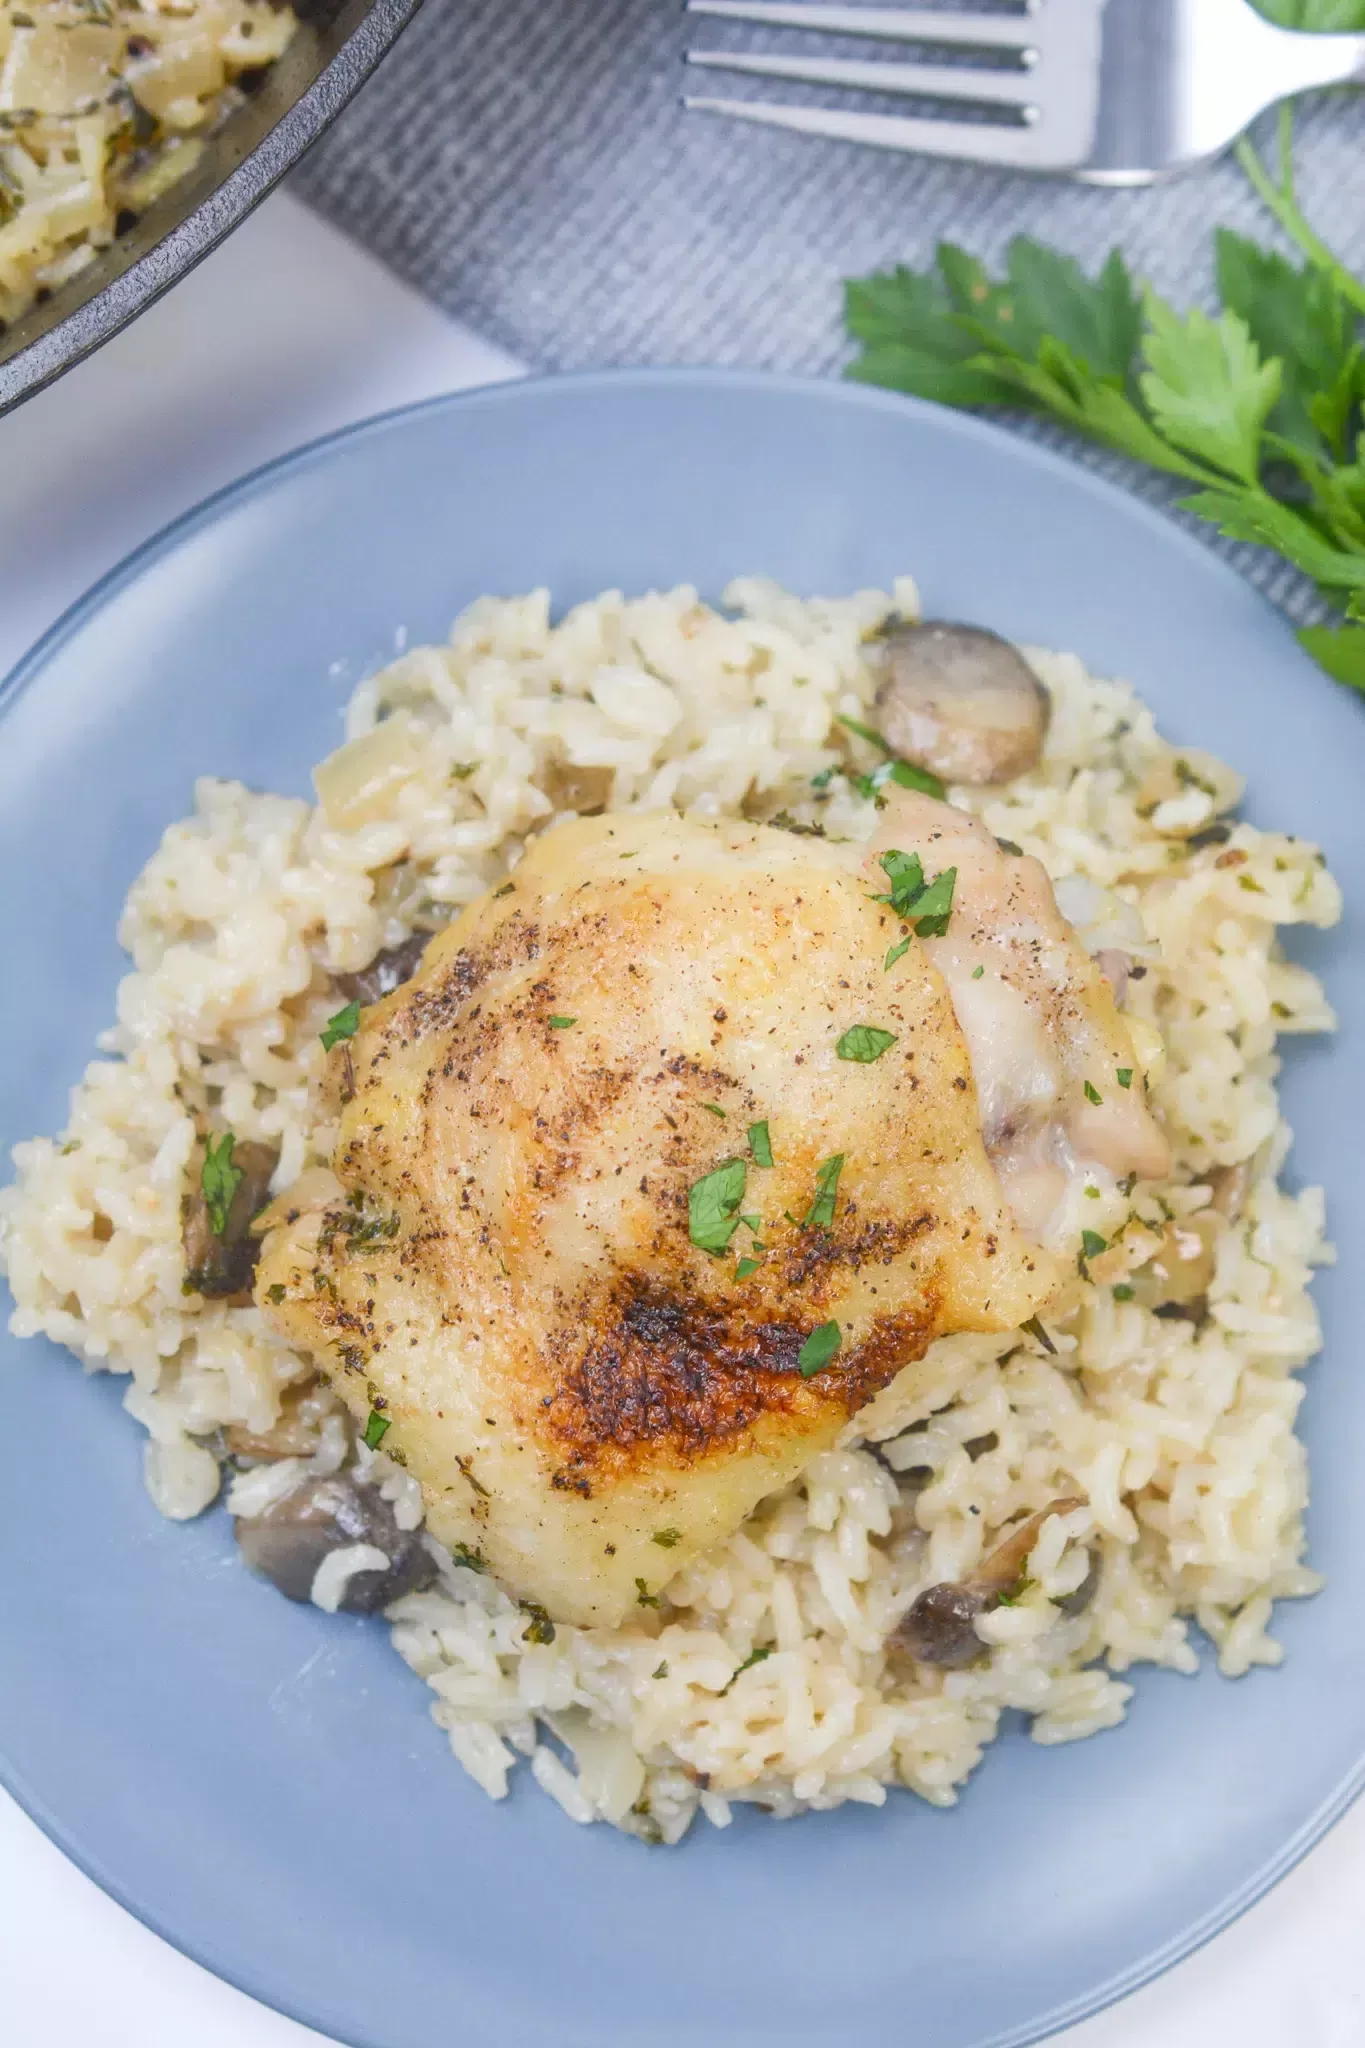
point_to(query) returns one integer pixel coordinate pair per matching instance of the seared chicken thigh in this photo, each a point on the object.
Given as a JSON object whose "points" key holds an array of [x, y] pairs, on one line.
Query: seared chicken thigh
{"points": [[668, 1159]]}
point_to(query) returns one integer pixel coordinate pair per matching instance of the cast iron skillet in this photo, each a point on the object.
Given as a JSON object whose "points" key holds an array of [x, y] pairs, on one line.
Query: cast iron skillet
{"points": [[338, 44]]}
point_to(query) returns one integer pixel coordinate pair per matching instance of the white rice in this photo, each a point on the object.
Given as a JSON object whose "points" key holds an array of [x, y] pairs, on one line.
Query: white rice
{"points": [[1179, 1437]]}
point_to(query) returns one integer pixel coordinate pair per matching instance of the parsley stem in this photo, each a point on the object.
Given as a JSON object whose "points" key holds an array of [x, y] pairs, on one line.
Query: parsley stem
{"points": [[1279, 200]]}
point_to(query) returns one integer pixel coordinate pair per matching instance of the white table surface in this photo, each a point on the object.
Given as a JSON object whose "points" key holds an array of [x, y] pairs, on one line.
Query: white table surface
{"points": [[284, 333]]}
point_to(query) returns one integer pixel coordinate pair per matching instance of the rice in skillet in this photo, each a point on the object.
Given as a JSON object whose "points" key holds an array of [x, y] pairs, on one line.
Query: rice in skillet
{"points": [[767, 1673]]}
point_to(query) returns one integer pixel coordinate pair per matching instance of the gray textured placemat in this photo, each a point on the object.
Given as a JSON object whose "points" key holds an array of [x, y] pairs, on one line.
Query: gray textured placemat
{"points": [[527, 164]]}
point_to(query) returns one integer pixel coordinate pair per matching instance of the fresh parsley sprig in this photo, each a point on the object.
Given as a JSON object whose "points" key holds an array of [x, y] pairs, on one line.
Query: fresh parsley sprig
{"points": [[1262, 407]]}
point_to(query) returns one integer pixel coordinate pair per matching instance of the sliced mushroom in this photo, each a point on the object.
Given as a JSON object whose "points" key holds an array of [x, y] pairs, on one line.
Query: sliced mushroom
{"points": [[292, 1539], [386, 972], [940, 1628], [222, 1267], [960, 701], [303, 1408]]}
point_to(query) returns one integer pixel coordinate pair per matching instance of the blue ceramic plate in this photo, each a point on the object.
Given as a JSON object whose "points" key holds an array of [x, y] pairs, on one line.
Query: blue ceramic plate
{"points": [[260, 1782]]}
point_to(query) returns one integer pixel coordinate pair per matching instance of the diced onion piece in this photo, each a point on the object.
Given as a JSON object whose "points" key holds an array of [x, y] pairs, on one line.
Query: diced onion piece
{"points": [[355, 784]]}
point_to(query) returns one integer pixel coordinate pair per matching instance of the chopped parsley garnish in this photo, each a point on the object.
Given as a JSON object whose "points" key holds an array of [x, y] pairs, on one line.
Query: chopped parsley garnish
{"points": [[905, 873], [866, 732], [745, 1267], [715, 1109], [462, 770], [540, 1628], [934, 907], [751, 1222], [821, 1211], [660, 1670], [275, 1292], [894, 769], [1036, 1330], [977, 973], [760, 1144], [562, 1023], [754, 1657], [643, 1596], [818, 1349], [345, 1024], [894, 953], [666, 1538], [376, 1429], [219, 1180], [1092, 1094], [1125, 1076], [505, 890], [1092, 1244], [911, 777], [713, 1206], [1123, 1292], [927, 904], [823, 779], [864, 1043], [472, 1560]]}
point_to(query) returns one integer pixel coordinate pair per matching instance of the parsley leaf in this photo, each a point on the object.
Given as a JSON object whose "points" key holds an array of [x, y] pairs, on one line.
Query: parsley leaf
{"points": [[1123, 1292], [1315, 14], [1092, 1094], [715, 1109], [1124, 1076], [345, 1024], [376, 1429], [935, 905], [1338, 649], [539, 1628], [1206, 387], [821, 1211], [745, 1267], [760, 1144], [905, 873], [643, 1596], [713, 1206], [864, 1043], [1092, 1244], [562, 1023], [907, 773], [1297, 316], [929, 904], [219, 1181], [666, 1538], [818, 1349], [754, 1657], [894, 953]]}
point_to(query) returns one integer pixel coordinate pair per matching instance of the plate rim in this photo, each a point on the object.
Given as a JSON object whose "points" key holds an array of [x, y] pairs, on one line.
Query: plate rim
{"points": [[1010, 444]]}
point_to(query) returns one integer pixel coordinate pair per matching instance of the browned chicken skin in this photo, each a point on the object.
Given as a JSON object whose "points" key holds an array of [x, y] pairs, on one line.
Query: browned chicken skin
{"points": [[587, 1395]]}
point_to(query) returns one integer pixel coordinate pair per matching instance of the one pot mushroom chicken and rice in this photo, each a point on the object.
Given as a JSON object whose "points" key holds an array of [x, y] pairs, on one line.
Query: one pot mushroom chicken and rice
{"points": [[723, 1176]]}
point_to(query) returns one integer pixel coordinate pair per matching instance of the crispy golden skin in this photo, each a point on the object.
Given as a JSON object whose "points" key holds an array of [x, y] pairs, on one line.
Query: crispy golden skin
{"points": [[567, 1374]]}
